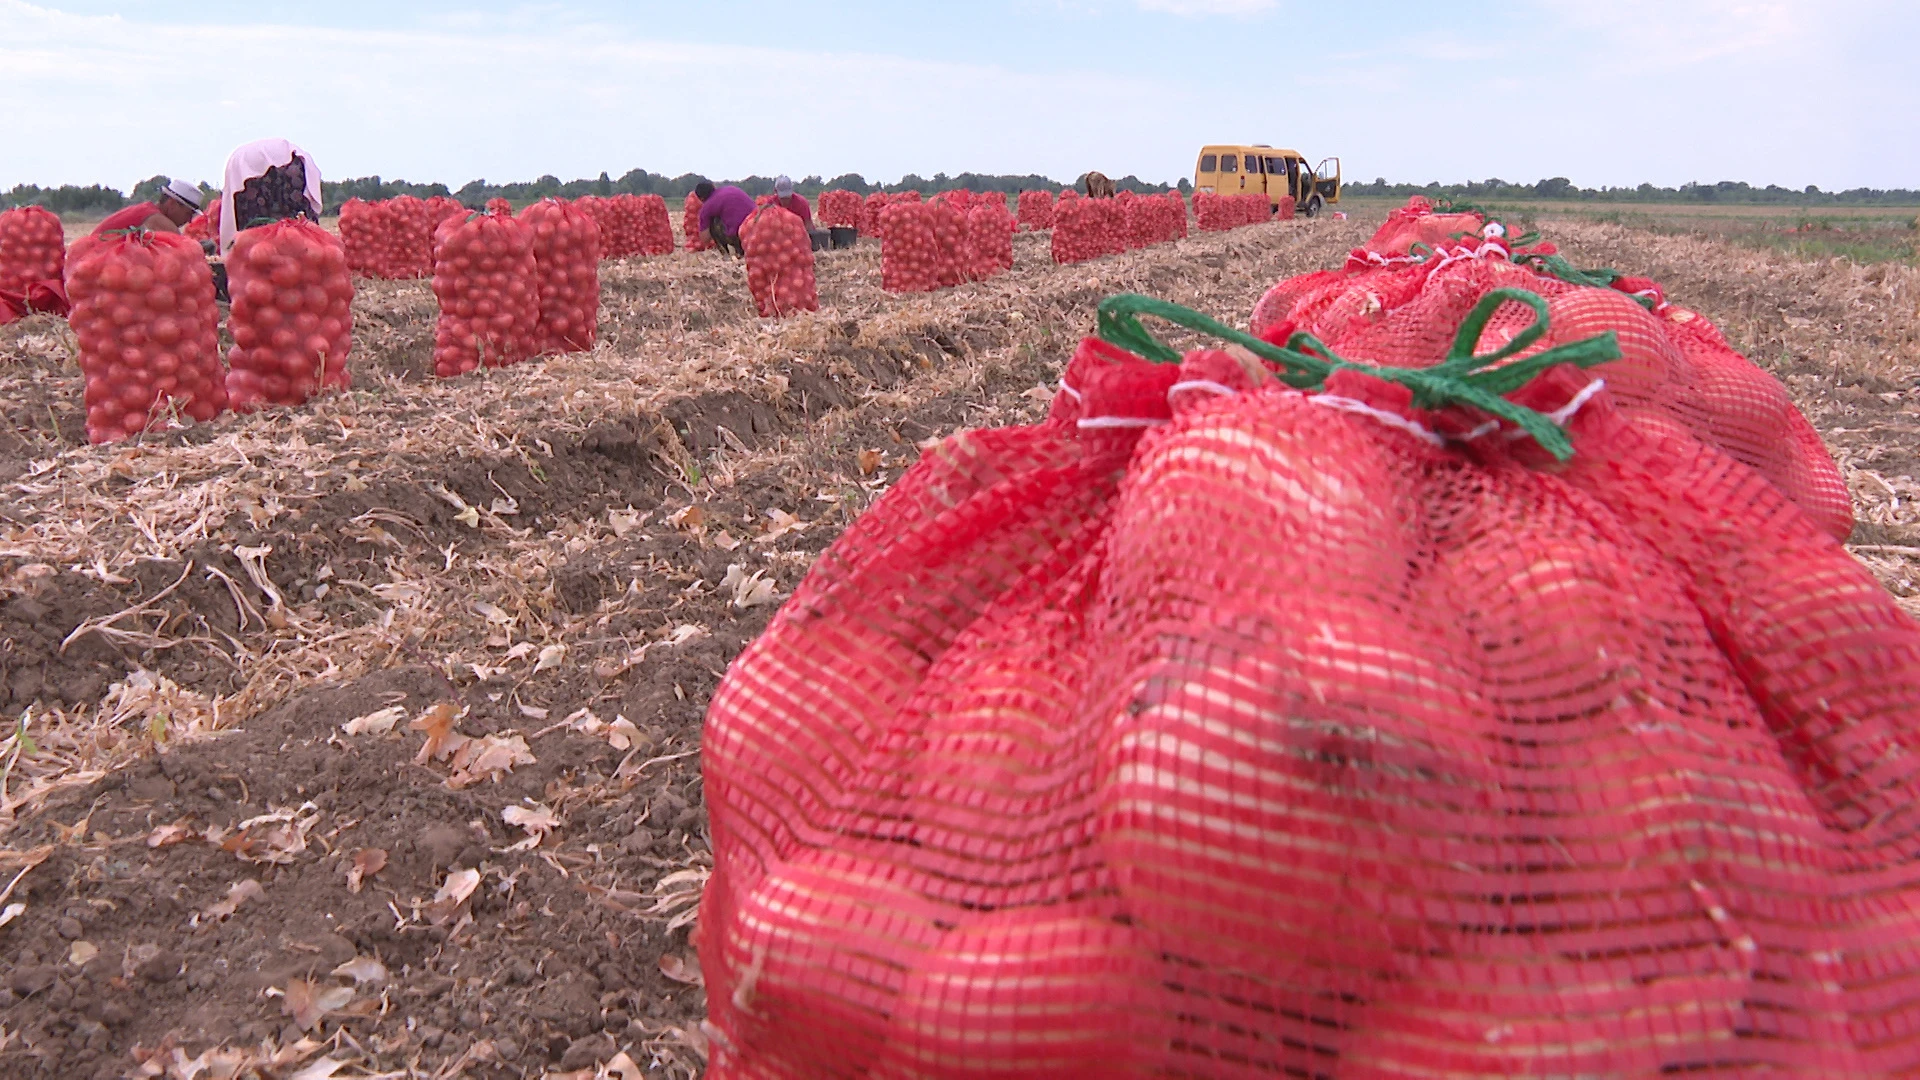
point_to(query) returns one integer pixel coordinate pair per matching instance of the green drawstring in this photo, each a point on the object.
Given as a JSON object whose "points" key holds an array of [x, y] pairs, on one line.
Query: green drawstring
{"points": [[1460, 379], [1557, 267]]}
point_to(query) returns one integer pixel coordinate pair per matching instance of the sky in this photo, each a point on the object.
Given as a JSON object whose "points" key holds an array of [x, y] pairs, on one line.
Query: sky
{"points": [[1604, 92]]}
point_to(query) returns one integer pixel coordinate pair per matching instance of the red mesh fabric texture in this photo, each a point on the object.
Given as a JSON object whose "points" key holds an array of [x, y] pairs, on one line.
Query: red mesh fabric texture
{"points": [[779, 256], [1036, 210], [841, 209], [33, 247], [1416, 223], [690, 225], [1212, 728], [292, 315], [1676, 369]]}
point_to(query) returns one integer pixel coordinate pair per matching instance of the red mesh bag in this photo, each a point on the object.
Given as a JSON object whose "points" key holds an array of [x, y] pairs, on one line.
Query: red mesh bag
{"points": [[566, 260], [950, 241], [601, 212], [442, 207], [1087, 229], [1417, 223], [33, 247], [909, 252], [363, 236], [485, 278], [629, 220], [779, 257], [873, 211], [1213, 728], [148, 328], [205, 224], [410, 223], [1036, 210], [499, 207], [989, 240], [292, 317], [656, 225], [1218, 213], [959, 198], [840, 209], [1677, 372], [690, 226]]}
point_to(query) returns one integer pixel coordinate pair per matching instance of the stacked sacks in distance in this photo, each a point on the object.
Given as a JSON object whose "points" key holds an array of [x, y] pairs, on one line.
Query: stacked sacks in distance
{"points": [[840, 209], [410, 224], [33, 247], [779, 257], [950, 241], [566, 258], [1087, 229], [910, 254], [1036, 210], [440, 208], [485, 279], [148, 329], [499, 207], [1677, 374], [601, 212], [872, 210], [990, 230], [690, 225], [1218, 213], [362, 234], [656, 225], [292, 318], [1214, 727]]}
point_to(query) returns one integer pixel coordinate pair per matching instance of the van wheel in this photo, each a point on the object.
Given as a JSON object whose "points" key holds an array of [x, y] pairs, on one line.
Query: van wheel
{"points": [[1313, 206]]}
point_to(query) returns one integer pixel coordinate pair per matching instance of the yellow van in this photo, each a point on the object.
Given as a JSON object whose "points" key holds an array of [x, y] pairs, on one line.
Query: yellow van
{"points": [[1245, 170]]}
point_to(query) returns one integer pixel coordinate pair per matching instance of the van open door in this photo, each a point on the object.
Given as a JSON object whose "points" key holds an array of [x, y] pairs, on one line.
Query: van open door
{"points": [[1327, 180]]}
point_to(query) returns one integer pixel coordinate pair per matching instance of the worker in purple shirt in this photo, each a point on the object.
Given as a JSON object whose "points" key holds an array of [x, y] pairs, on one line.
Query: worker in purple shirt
{"points": [[722, 211]]}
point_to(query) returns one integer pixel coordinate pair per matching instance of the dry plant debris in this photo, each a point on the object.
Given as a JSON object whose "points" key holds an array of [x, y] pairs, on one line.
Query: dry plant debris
{"points": [[362, 739]]}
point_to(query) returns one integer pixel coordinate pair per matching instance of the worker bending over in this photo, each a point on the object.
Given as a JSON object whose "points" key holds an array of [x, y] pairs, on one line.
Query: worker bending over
{"points": [[722, 211], [178, 202]]}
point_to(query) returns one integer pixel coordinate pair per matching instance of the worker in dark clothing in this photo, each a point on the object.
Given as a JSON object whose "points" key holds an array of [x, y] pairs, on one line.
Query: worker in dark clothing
{"points": [[787, 199], [722, 211]]}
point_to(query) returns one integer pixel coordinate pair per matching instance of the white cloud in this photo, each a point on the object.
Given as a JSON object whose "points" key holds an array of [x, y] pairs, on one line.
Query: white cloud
{"points": [[1209, 7], [108, 99]]}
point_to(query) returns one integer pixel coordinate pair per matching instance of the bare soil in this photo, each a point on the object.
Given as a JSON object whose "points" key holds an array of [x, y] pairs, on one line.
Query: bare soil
{"points": [[204, 636]]}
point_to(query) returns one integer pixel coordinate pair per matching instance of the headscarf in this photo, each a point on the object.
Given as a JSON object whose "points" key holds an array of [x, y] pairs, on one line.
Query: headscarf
{"points": [[253, 160]]}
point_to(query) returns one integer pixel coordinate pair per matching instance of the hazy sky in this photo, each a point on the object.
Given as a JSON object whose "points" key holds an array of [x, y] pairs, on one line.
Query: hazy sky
{"points": [[1602, 91]]}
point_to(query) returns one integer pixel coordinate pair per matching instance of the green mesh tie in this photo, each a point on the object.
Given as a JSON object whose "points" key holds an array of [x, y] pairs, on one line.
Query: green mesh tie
{"points": [[1556, 267], [1460, 379]]}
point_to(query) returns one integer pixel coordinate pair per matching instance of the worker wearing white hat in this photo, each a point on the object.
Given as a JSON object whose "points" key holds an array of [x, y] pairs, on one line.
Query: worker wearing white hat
{"points": [[172, 209]]}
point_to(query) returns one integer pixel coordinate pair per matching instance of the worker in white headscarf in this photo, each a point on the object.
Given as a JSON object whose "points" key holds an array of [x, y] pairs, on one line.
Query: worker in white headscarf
{"points": [[268, 180]]}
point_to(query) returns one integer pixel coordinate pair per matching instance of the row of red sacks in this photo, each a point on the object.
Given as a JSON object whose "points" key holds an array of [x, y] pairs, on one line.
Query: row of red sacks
{"points": [[146, 322], [1089, 228], [943, 242], [393, 238], [1213, 727], [1219, 213]]}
